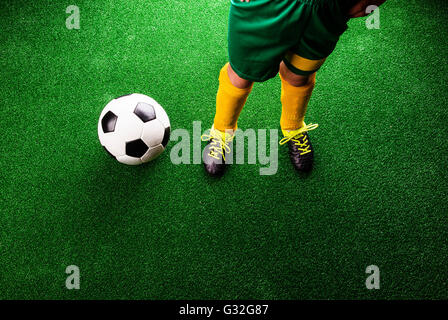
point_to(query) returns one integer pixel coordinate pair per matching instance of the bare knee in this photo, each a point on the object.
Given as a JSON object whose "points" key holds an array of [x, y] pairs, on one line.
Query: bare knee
{"points": [[236, 80], [292, 78]]}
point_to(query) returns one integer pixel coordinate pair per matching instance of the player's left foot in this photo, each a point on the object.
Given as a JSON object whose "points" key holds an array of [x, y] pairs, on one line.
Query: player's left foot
{"points": [[216, 151], [301, 151]]}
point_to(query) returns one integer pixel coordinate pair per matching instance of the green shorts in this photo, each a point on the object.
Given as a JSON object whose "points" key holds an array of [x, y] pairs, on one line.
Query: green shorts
{"points": [[302, 33]]}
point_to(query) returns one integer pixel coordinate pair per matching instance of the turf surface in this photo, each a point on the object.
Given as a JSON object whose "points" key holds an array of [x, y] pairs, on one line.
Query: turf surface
{"points": [[377, 195]]}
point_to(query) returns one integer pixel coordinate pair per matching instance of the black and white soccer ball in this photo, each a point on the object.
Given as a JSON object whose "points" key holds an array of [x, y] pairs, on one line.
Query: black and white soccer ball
{"points": [[134, 129]]}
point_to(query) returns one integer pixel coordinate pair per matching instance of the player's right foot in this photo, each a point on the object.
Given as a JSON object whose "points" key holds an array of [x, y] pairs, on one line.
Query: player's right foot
{"points": [[218, 148]]}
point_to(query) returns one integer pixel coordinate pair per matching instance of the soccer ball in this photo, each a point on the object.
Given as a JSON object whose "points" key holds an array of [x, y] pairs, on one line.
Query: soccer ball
{"points": [[134, 129]]}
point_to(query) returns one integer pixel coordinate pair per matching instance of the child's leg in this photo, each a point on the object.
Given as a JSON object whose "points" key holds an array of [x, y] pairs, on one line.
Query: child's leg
{"points": [[230, 99], [295, 95], [324, 25], [298, 77]]}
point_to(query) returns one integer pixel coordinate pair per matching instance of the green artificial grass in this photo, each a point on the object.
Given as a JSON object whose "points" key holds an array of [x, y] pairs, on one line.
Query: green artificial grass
{"points": [[377, 194]]}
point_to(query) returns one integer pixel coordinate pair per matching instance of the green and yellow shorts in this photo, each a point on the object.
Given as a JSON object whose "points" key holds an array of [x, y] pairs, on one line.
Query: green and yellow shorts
{"points": [[302, 33]]}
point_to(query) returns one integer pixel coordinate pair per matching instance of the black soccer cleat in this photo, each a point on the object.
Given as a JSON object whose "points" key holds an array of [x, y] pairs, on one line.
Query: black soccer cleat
{"points": [[301, 151], [218, 148]]}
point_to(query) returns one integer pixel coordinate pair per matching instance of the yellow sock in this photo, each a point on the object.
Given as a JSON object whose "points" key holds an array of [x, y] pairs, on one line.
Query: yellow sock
{"points": [[294, 103], [230, 101]]}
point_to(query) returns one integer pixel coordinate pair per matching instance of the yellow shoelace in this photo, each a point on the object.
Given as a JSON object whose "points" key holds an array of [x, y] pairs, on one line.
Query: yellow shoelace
{"points": [[220, 143], [295, 135]]}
